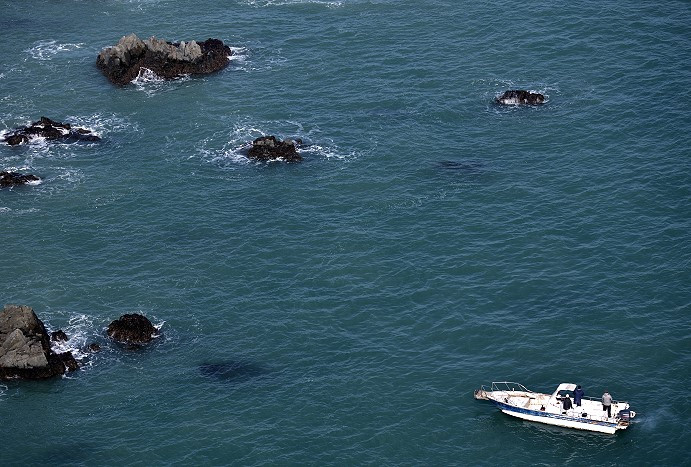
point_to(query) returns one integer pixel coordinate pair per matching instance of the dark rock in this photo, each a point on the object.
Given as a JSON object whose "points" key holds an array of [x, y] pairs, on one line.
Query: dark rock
{"points": [[518, 97], [269, 148], [132, 329], [68, 361], [123, 62], [94, 347], [58, 336], [15, 178], [51, 130], [16, 139], [25, 351]]}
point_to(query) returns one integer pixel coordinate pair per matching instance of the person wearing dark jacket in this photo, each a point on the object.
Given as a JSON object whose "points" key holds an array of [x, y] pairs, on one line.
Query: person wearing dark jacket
{"points": [[578, 395], [567, 403]]}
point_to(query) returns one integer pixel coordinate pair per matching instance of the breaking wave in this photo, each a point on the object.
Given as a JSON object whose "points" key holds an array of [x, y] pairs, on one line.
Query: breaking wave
{"points": [[80, 333], [151, 83], [239, 141]]}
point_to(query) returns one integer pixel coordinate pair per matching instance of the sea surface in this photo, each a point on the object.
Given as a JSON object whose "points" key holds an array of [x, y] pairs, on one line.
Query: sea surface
{"points": [[341, 311]]}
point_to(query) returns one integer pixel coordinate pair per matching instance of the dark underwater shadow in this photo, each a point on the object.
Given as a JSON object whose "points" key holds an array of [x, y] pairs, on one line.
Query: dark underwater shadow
{"points": [[232, 371], [468, 167]]}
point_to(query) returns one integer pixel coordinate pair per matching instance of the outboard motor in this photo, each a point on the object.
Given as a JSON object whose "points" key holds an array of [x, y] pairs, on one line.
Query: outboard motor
{"points": [[625, 415]]}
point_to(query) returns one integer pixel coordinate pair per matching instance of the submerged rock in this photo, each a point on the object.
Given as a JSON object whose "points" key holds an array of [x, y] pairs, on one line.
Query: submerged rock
{"points": [[269, 148], [25, 351], [520, 97], [123, 62], [232, 371], [8, 179], [51, 130], [132, 329]]}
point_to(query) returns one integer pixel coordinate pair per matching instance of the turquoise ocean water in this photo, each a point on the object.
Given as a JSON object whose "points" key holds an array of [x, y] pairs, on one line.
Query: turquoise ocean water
{"points": [[341, 311]]}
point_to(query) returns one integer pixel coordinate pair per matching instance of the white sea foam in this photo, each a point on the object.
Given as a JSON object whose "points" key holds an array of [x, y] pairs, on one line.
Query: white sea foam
{"points": [[19, 212], [79, 330], [239, 141], [146, 75], [328, 151], [151, 83], [267, 3], [239, 54], [47, 49], [158, 328], [101, 125], [69, 174]]}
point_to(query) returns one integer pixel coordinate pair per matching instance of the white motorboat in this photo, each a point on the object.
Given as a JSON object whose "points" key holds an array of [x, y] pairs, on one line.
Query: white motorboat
{"points": [[516, 400]]}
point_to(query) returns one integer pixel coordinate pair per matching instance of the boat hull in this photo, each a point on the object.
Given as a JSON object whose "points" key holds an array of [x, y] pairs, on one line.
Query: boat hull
{"points": [[559, 420]]}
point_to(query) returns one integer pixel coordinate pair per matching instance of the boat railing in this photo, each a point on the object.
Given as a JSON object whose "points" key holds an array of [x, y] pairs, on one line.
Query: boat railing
{"points": [[507, 386], [599, 399], [512, 386]]}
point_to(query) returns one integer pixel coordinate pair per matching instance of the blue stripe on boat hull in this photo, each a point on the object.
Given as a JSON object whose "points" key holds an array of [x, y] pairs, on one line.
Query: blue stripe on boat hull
{"points": [[540, 413]]}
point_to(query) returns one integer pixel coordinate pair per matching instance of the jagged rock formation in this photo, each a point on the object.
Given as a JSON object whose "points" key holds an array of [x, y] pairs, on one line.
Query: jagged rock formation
{"points": [[58, 336], [520, 97], [132, 329], [269, 148], [25, 351], [51, 130], [123, 62], [8, 179]]}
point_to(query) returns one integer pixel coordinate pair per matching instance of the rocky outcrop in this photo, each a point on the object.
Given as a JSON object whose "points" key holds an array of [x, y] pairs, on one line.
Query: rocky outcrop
{"points": [[133, 329], [58, 336], [51, 130], [520, 97], [25, 351], [123, 62], [269, 148], [8, 179]]}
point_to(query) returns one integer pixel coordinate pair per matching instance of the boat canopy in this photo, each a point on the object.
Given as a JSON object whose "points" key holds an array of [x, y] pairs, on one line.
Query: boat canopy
{"points": [[562, 387], [566, 387]]}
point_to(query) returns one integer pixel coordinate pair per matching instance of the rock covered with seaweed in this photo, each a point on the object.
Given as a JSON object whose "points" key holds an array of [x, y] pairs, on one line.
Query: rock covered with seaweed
{"points": [[123, 62], [50, 130], [267, 148], [520, 97], [10, 179], [132, 329]]}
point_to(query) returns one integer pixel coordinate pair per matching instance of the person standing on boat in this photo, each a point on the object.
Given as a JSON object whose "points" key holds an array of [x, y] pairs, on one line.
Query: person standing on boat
{"points": [[567, 403], [578, 394], [607, 403]]}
